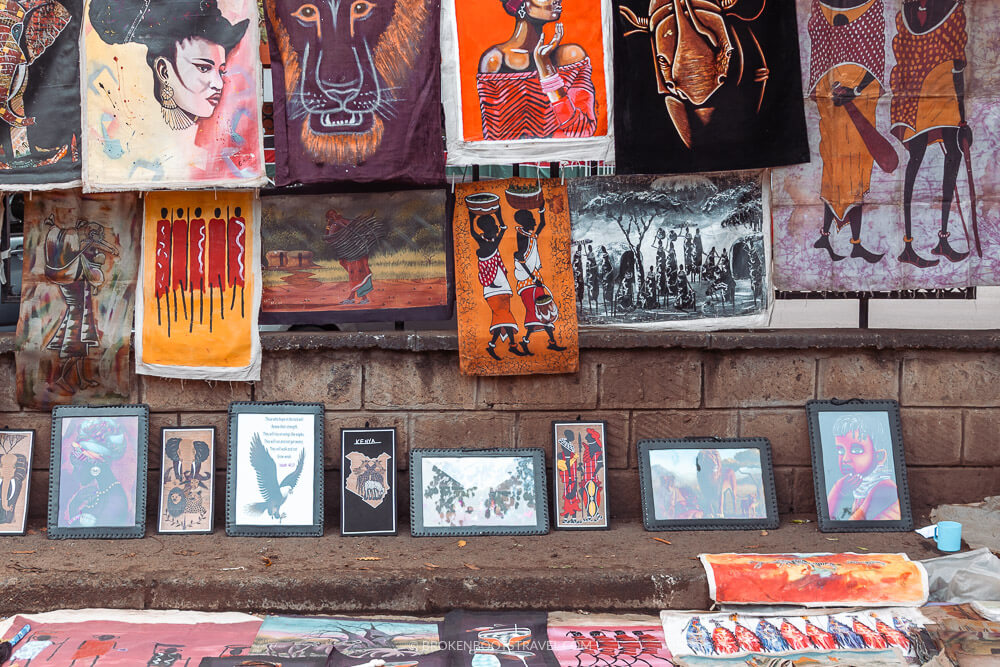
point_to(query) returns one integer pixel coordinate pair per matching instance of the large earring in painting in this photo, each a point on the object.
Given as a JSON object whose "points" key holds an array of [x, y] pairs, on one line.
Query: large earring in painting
{"points": [[173, 116]]}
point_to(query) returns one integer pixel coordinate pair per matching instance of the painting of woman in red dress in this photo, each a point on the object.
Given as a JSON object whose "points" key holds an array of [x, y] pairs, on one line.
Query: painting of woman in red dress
{"points": [[532, 87]]}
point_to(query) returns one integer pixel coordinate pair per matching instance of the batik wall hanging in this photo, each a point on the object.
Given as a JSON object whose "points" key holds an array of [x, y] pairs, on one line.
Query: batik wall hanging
{"points": [[527, 80], [857, 637], [680, 252], [901, 192], [356, 258], [81, 260], [816, 580], [196, 315], [357, 91], [40, 102], [497, 637], [611, 640], [171, 94], [513, 281], [706, 86]]}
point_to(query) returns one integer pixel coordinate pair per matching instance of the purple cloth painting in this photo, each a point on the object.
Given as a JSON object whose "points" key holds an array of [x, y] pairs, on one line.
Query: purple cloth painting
{"points": [[357, 91]]}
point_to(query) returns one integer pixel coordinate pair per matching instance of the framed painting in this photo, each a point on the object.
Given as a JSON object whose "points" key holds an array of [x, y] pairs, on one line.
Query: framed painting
{"points": [[859, 468], [97, 471], [707, 484], [368, 481], [579, 484], [187, 480], [274, 476], [17, 449], [478, 492]]}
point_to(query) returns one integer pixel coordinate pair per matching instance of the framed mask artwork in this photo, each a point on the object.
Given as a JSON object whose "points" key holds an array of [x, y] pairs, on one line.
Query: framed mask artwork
{"points": [[368, 481], [478, 492], [274, 478], [579, 486], [187, 480], [97, 472], [707, 483], [17, 449], [859, 468]]}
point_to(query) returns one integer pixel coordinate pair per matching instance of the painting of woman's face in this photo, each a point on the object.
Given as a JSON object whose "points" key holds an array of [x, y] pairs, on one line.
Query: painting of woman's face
{"points": [[196, 75], [544, 10]]}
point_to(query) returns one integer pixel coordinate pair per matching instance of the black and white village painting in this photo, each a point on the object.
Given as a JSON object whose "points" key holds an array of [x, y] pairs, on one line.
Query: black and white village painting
{"points": [[671, 251]]}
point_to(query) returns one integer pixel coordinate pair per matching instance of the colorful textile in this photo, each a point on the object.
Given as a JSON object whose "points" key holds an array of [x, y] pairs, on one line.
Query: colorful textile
{"points": [[899, 194], [357, 92], [356, 258], [172, 95], [356, 640], [128, 638], [816, 580], [526, 83], [615, 640], [496, 637], [40, 102], [80, 268], [685, 252], [707, 86], [196, 317], [540, 336]]}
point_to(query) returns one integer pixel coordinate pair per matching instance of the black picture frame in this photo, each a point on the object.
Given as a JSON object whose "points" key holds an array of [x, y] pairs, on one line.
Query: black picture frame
{"points": [[107, 455], [242, 485], [11, 443], [536, 458], [167, 465], [825, 419], [375, 447], [559, 520], [766, 484]]}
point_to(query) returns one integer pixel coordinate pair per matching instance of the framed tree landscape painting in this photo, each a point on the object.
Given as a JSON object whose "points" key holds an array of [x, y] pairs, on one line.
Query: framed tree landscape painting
{"points": [[478, 492], [858, 466], [97, 472], [707, 484], [274, 478]]}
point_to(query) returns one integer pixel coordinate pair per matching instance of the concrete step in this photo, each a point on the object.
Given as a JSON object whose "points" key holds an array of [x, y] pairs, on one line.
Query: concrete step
{"points": [[621, 569]]}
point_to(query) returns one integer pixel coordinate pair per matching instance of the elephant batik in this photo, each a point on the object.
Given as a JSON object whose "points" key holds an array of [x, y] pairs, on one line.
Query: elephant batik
{"points": [[902, 108], [707, 85], [172, 97], [357, 92], [39, 94], [527, 80], [81, 258]]}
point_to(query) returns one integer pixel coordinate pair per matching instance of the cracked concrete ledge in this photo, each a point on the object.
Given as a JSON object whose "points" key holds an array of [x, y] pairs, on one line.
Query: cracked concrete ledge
{"points": [[621, 569], [592, 338]]}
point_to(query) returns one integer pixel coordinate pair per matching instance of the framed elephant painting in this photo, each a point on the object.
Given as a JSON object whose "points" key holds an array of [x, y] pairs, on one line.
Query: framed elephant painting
{"points": [[16, 454]]}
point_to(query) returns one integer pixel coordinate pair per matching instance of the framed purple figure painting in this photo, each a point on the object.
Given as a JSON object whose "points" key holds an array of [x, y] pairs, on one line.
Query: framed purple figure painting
{"points": [[97, 473]]}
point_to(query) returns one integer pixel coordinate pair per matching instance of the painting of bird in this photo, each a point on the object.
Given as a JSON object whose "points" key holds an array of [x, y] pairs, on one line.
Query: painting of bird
{"points": [[274, 493]]}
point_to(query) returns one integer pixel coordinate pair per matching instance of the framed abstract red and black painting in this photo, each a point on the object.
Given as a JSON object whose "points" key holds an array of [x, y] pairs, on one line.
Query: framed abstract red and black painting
{"points": [[579, 483]]}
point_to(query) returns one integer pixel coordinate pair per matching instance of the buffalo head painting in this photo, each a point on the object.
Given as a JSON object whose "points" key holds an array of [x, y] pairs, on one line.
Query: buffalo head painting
{"points": [[357, 75], [718, 68]]}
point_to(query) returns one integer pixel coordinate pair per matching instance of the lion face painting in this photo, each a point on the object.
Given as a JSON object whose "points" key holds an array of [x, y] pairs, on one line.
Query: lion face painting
{"points": [[357, 76]]}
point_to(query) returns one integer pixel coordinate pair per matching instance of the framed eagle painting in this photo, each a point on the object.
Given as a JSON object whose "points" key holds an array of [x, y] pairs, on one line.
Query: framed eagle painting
{"points": [[274, 478]]}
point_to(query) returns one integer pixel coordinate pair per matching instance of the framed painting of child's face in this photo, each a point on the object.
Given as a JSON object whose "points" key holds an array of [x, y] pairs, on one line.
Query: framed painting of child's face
{"points": [[858, 466]]}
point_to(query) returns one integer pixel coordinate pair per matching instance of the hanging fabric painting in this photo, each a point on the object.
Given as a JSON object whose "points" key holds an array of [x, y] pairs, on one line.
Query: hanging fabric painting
{"points": [[900, 193], [171, 95], [526, 80], [684, 252], [500, 333], [357, 90], [40, 98], [706, 86], [80, 264], [373, 257], [196, 316]]}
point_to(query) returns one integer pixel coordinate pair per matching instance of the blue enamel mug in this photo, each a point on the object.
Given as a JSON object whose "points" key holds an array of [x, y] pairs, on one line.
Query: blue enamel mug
{"points": [[948, 535]]}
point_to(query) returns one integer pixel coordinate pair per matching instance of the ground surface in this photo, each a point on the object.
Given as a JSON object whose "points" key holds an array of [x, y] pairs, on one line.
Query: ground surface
{"points": [[621, 569]]}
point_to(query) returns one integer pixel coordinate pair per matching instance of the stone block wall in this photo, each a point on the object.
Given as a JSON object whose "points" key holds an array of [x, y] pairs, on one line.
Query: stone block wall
{"points": [[642, 385]]}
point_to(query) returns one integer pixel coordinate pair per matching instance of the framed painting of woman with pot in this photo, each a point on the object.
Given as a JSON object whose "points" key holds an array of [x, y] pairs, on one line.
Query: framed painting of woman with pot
{"points": [[514, 285], [171, 93]]}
